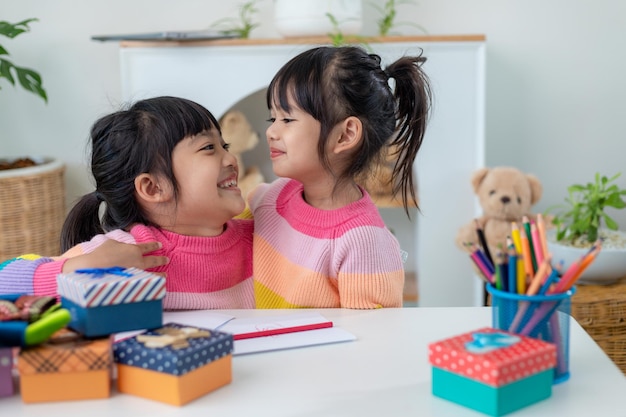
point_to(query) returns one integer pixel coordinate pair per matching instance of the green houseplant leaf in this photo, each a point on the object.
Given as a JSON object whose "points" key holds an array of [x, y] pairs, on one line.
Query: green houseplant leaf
{"points": [[584, 212], [29, 79]]}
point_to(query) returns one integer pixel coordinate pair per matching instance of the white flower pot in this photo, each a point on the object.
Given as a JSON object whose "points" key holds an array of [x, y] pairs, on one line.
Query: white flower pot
{"points": [[294, 18], [608, 267]]}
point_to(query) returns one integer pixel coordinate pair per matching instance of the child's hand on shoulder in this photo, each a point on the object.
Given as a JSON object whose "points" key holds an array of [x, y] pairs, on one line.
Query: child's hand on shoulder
{"points": [[113, 253]]}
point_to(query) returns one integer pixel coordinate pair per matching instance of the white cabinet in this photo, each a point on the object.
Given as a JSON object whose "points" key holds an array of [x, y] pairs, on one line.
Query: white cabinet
{"points": [[220, 74]]}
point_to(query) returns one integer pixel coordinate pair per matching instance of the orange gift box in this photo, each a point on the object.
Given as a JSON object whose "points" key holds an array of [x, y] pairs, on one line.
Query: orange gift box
{"points": [[67, 367], [174, 364]]}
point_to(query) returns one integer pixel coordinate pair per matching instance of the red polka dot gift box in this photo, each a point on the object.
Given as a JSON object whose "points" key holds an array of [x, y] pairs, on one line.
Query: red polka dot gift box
{"points": [[492, 371]]}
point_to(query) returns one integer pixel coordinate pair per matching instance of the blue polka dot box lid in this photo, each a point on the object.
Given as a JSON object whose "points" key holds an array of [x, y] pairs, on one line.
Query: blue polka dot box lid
{"points": [[173, 349]]}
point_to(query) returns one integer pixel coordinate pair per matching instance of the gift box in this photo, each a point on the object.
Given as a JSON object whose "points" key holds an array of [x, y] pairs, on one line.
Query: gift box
{"points": [[6, 372], [66, 367], [112, 300], [27, 320], [174, 364], [492, 371]]}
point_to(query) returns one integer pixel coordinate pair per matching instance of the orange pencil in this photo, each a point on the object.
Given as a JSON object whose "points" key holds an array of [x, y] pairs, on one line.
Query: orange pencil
{"points": [[584, 264], [539, 277], [528, 264]]}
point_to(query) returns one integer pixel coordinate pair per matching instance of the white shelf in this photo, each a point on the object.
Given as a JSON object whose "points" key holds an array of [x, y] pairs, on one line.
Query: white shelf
{"points": [[221, 74]]}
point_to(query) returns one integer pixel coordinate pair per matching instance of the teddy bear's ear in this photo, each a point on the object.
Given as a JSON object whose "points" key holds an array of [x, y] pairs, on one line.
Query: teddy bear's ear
{"points": [[536, 189], [477, 177]]}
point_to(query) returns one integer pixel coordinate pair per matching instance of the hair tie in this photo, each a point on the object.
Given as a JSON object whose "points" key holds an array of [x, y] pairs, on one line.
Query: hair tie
{"points": [[98, 195]]}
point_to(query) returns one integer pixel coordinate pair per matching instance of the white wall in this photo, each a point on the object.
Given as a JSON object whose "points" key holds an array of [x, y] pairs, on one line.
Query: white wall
{"points": [[555, 90]]}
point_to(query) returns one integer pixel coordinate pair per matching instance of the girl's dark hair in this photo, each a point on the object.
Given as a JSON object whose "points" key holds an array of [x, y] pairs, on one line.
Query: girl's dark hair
{"points": [[333, 83], [125, 144]]}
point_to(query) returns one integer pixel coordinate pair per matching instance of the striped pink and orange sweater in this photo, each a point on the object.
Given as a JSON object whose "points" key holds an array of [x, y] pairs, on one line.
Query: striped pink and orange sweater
{"points": [[307, 257], [203, 272]]}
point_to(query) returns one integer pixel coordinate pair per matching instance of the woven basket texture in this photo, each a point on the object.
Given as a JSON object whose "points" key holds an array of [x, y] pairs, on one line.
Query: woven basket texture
{"points": [[601, 311], [32, 210]]}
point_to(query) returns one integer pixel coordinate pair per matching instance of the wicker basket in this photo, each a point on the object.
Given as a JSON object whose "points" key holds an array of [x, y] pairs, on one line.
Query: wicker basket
{"points": [[601, 311], [32, 209]]}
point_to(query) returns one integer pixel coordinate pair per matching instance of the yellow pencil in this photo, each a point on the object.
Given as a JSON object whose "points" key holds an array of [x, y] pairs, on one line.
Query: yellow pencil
{"points": [[521, 271], [516, 237]]}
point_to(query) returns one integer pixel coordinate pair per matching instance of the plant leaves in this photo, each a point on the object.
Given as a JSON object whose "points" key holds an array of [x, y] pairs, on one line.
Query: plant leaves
{"points": [[31, 81], [11, 30]]}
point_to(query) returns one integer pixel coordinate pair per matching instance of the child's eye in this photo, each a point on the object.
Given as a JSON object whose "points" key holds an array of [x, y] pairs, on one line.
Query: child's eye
{"points": [[226, 146], [209, 147], [271, 120], [285, 120]]}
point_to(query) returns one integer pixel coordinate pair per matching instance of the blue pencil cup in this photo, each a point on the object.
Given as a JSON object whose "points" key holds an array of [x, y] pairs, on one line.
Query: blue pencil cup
{"points": [[544, 317]]}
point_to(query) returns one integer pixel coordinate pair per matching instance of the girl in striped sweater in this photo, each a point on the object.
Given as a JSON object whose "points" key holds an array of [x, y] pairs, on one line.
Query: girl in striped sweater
{"points": [[167, 188], [319, 240]]}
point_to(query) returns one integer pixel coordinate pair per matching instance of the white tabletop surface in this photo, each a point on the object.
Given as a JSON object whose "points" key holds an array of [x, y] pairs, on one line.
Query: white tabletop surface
{"points": [[385, 372]]}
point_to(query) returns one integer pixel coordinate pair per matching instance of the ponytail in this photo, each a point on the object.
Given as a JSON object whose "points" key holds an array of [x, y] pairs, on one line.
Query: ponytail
{"points": [[83, 222], [414, 97]]}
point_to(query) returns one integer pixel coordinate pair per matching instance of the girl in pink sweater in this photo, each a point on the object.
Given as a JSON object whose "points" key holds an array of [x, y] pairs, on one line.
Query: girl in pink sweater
{"points": [[166, 194], [319, 240]]}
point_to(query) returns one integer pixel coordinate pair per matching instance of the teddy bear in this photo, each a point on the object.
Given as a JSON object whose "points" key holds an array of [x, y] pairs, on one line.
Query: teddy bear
{"points": [[506, 195], [379, 181], [237, 131]]}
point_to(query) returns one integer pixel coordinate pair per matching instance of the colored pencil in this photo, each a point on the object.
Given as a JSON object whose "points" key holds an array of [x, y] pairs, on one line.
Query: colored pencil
{"points": [[487, 276], [526, 224], [483, 241], [515, 236], [512, 264], [537, 280], [584, 264], [541, 227], [537, 246], [528, 265], [521, 270], [548, 282], [502, 270]]}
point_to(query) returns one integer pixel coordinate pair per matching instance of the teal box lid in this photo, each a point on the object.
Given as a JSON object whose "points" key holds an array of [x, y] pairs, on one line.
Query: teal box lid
{"points": [[173, 349]]}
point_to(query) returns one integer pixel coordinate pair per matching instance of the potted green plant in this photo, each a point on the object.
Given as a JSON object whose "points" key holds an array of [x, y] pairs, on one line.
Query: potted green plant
{"points": [[582, 220], [32, 189], [29, 79]]}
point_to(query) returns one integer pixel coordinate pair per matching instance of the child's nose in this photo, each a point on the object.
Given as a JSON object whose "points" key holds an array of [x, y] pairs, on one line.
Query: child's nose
{"points": [[270, 133], [230, 159]]}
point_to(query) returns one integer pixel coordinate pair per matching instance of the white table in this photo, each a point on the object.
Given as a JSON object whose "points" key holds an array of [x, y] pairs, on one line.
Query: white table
{"points": [[384, 373]]}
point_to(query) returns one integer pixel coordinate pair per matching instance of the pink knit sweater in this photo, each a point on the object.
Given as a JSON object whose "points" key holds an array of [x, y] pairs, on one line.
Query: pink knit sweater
{"points": [[203, 272], [307, 257]]}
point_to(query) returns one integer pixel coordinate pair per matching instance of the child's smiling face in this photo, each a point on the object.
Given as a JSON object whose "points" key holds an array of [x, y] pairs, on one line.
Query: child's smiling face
{"points": [[206, 174]]}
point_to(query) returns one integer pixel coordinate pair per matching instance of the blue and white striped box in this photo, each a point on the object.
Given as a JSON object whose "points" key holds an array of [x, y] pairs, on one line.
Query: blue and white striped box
{"points": [[103, 301]]}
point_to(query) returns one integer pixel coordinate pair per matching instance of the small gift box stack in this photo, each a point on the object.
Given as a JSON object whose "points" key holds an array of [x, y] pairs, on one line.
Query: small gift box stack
{"points": [[25, 320], [77, 364], [492, 371]]}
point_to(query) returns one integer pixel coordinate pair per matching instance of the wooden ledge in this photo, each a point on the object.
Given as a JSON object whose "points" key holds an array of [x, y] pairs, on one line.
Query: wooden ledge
{"points": [[304, 40]]}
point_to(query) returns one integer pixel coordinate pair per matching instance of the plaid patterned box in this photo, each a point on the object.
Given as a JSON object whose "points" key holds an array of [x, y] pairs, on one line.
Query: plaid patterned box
{"points": [[174, 364], [112, 300], [6, 372], [66, 367], [492, 371]]}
